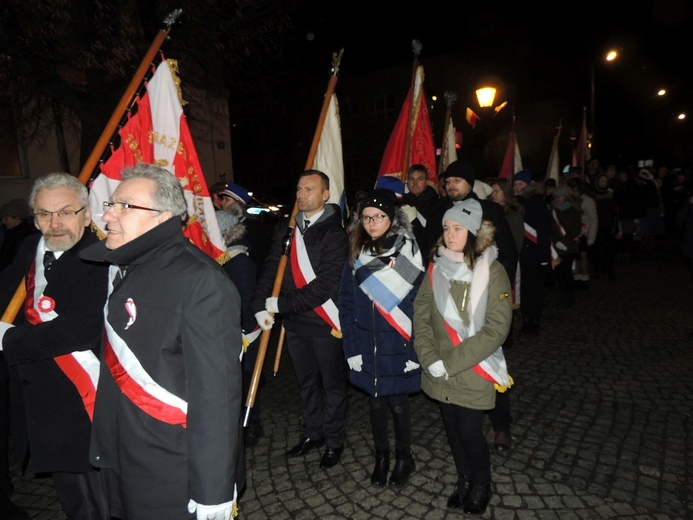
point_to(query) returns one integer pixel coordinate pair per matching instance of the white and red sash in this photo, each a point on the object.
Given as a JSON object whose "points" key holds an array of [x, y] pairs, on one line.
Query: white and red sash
{"points": [[494, 367], [303, 273], [397, 319], [80, 367], [133, 379]]}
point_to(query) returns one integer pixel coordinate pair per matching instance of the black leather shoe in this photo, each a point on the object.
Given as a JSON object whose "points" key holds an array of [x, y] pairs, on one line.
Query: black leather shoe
{"points": [[502, 443], [461, 494], [331, 457], [382, 466], [304, 446], [479, 497]]}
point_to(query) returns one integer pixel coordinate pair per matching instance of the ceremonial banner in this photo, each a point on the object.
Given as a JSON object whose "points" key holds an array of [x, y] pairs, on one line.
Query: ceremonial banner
{"points": [[158, 133], [422, 149], [328, 157]]}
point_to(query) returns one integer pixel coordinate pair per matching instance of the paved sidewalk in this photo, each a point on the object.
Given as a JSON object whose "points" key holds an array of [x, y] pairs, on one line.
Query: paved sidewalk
{"points": [[602, 422]]}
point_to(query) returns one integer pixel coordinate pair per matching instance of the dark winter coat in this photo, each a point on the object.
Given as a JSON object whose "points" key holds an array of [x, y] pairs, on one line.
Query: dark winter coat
{"points": [[186, 335], [326, 243], [50, 419], [366, 332]]}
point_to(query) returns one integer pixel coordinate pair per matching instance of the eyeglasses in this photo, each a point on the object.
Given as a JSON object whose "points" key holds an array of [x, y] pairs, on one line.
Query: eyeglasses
{"points": [[120, 207], [375, 218], [62, 214]]}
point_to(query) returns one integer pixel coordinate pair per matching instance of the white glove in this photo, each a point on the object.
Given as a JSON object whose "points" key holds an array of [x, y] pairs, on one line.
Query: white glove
{"points": [[272, 304], [355, 363], [410, 212], [410, 365], [437, 369], [218, 512], [264, 319], [4, 327]]}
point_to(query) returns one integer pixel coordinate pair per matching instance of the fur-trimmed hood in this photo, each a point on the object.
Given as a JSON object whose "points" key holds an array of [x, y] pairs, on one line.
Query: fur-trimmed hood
{"points": [[486, 235]]}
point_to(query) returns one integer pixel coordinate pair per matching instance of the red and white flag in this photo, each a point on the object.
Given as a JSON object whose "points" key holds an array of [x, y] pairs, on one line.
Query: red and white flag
{"points": [[328, 157], [553, 169], [448, 150], [422, 150], [512, 162], [158, 133]]}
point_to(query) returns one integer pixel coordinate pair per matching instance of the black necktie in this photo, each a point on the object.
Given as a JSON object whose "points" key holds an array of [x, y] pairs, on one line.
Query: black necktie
{"points": [[48, 259], [305, 224]]}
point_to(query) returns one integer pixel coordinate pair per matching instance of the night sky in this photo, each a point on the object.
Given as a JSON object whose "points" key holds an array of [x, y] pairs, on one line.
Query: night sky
{"points": [[540, 51]]}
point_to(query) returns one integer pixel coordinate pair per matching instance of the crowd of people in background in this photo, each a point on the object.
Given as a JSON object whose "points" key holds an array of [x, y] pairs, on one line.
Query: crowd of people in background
{"points": [[414, 288]]}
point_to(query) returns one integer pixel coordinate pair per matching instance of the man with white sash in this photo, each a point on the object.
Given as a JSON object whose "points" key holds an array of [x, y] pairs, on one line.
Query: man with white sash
{"points": [[52, 347], [308, 305], [167, 429]]}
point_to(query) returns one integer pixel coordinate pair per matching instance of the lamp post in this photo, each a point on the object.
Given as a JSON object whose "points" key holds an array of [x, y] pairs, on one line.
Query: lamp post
{"points": [[610, 56]]}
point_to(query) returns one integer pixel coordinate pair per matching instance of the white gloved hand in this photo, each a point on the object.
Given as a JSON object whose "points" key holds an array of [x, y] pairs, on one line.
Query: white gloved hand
{"points": [[437, 369], [4, 327], [410, 365], [217, 512], [272, 304], [356, 363], [264, 319], [410, 212]]}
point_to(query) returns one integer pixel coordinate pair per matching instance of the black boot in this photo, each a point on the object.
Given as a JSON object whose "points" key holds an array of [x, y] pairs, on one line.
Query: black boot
{"points": [[461, 494], [382, 466], [479, 497], [404, 465]]}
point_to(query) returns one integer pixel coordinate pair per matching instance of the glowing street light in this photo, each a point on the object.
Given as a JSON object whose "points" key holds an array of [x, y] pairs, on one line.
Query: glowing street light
{"points": [[485, 96]]}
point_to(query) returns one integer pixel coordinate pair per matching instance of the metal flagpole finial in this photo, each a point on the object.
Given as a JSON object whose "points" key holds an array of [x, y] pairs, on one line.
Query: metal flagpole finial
{"points": [[336, 60], [450, 98], [416, 47], [172, 17]]}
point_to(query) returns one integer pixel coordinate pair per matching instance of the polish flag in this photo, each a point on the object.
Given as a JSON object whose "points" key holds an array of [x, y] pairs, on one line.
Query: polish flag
{"points": [[157, 132]]}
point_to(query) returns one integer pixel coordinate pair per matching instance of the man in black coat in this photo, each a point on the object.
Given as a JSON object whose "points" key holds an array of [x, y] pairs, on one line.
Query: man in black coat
{"points": [[307, 302], [459, 180], [428, 223], [53, 345]]}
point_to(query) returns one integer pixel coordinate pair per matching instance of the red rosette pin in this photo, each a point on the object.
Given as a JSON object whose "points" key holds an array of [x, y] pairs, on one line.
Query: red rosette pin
{"points": [[46, 304]]}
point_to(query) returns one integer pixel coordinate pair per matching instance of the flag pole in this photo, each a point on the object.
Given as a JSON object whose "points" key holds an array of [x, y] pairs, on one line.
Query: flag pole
{"points": [[90, 165], [416, 47], [264, 338]]}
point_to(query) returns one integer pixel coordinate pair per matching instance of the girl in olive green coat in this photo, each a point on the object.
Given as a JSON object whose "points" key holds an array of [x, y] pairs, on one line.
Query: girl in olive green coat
{"points": [[462, 314]]}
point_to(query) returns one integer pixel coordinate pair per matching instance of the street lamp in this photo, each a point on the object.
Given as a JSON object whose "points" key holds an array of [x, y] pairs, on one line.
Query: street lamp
{"points": [[611, 55], [485, 96]]}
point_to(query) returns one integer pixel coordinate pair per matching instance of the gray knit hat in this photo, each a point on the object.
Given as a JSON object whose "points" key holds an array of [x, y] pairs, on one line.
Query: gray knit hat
{"points": [[466, 212]]}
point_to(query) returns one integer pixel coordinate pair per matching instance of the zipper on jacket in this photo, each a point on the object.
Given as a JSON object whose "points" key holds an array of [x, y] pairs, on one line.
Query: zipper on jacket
{"points": [[375, 353]]}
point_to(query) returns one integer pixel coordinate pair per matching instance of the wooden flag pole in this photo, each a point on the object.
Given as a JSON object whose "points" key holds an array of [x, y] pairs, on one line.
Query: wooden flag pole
{"points": [[264, 339], [416, 47], [20, 294]]}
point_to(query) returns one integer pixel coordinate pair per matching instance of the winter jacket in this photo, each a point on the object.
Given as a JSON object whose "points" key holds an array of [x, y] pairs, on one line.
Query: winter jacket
{"points": [[463, 387], [326, 245], [178, 315], [50, 421], [571, 223], [428, 226], [538, 218], [365, 331]]}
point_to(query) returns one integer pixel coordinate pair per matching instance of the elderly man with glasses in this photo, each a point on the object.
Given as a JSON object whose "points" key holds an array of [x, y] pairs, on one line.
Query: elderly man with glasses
{"points": [[50, 351], [167, 431]]}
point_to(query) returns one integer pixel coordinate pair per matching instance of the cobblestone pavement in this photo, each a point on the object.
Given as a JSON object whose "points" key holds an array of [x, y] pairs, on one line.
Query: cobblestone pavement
{"points": [[602, 422]]}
